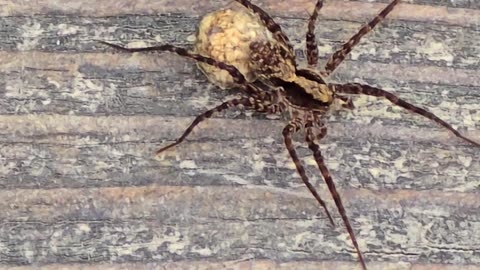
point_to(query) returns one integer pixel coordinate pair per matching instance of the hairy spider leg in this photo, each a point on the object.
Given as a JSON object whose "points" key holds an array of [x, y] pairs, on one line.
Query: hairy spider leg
{"points": [[355, 88], [340, 54], [292, 127], [312, 49], [245, 101], [317, 154], [271, 25], [232, 70]]}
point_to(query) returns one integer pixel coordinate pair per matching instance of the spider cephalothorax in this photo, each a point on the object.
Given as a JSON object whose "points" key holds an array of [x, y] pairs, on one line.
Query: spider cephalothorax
{"points": [[243, 47]]}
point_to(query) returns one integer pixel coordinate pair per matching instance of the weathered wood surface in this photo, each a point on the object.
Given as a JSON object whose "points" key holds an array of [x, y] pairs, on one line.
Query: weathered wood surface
{"points": [[81, 188]]}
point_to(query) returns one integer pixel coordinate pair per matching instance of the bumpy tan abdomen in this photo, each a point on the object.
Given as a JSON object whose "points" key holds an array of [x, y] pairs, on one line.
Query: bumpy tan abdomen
{"points": [[225, 35]]}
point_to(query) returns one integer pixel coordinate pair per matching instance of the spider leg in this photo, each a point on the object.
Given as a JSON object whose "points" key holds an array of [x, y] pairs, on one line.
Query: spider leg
{"points": [[312, 49], [233, 71], [340, 54], [291, 128], [355, 88], [317, 154], [271, 25], [228, 104]]}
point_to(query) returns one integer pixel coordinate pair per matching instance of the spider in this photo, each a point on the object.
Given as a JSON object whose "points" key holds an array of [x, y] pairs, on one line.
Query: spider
{"points": [[263, 67]]}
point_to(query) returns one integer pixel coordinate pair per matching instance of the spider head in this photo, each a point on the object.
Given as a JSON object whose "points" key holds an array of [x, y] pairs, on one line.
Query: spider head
{"points": [[271, 59]]}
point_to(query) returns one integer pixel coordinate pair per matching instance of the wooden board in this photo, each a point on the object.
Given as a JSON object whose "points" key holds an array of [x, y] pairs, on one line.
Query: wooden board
{"points": [[81, 188]]}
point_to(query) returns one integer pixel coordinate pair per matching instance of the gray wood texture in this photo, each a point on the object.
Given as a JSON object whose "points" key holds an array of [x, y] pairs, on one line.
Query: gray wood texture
{"points": [[82, 189]]}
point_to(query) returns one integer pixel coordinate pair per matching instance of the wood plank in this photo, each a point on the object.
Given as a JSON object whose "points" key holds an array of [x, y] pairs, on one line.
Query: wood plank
{"points": [[245, 265], [464, 11], [81, 189], [144, 223], [59, 149]]}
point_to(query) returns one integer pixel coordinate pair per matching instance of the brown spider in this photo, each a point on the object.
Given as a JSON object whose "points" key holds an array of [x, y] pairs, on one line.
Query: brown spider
{"points": [[263, 67]]}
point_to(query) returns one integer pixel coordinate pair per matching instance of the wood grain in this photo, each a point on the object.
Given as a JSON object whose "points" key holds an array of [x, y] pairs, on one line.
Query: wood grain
{"points": [[81, 188]]}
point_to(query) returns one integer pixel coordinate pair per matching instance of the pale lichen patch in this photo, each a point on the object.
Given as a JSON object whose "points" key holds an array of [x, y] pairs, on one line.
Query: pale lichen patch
{"points": [[188, 164], [64, 29], [202, 251], [83, 228], [258, 164], [158, 39], [199, 102], [465, 160], [235, 179], [171, 238], [324, 49], [436, 51], [32, 34], [138, 44]]}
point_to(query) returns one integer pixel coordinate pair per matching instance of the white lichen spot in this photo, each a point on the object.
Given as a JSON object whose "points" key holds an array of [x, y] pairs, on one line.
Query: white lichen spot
{"points": [[83, 228], [325, 49], [31, 33], [200, 102], [268, 140], [53, 82], [176, 244], [164, 162], [202, 251], [64, 29], [188, 83], [46, 101], [101, 166], [435, 211], [191, 38], [235, 179], [467, 186], [290, 165], [399, 163], [436, 51], [138, 44], [158, 39], [355, 54], [310, 161], [466, 161], [92, 92], [273, 116], [395, 49], [333, 165], [8, 167], [301, 238], [258, 164], [38, 168], [386, 54], [375, 172], [188, 164], [29, 254], [449, 106], [177, 247]]}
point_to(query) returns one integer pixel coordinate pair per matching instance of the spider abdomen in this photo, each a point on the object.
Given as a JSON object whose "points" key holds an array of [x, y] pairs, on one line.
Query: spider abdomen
{"points": [[225, 35], [236, 36]]}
